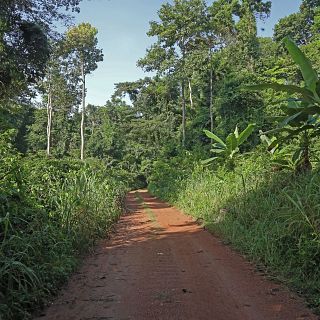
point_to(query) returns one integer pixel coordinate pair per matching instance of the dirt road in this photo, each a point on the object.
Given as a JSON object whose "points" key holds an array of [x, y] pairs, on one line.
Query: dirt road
{"points": [[160, 264]]}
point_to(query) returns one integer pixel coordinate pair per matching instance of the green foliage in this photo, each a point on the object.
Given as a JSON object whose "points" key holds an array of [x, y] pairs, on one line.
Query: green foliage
{"points": [[46, 220], [81, 43], [24, 31], [301, 26], [300, 117], [230, 147]]}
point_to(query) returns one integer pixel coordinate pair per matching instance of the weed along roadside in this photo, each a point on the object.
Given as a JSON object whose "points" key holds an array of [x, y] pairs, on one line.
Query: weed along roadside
{"points": [[59, 216]]}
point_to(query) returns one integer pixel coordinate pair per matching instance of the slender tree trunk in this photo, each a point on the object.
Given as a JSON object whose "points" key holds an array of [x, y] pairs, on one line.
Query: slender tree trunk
{"points": [[183, 113], [183, 98], [190, 92], [211, 92], [49, 114], [83, 109], [92, 127], [305, 165], [211, 99]]}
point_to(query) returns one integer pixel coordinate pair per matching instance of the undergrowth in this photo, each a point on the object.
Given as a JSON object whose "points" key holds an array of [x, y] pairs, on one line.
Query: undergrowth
{"points": [[51, 211], [271, 216]]}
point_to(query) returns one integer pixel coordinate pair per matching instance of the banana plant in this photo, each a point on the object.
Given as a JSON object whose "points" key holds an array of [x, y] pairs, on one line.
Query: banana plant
{"points": [[281, 158], [301, 116], [230, 147]]}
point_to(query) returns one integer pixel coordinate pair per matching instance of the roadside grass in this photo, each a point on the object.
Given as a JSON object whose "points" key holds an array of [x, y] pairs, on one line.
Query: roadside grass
{"points": [[272, 217], [51, 211]]}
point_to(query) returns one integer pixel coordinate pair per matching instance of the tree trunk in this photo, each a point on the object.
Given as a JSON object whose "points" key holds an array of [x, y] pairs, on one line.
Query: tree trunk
{"points": [[305, 165], [211, 100], [83, 110], [211, 91], [190, 93], [183, 113], [49, 123]]}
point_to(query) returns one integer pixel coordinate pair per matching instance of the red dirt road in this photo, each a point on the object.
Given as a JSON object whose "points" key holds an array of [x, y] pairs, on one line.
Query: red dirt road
{"points": [[160, 264]]}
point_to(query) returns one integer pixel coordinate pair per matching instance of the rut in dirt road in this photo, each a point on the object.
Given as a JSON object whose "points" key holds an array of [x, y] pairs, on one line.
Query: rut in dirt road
{"points": [[160, 264]]}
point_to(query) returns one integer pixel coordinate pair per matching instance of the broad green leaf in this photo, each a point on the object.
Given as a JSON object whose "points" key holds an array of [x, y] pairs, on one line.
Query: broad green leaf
{"points": [[309, 74], [282, 162], [217, 150], [318, 87], [297, 155], [304, 92], [292, 133], [276, 130], [287, 120], [236, 150], [236, 132], [207, 161], [231, 142], [275, 144], [218, 146], [246, 133], [265, 139], [293, 104], [268, 142], [311, 110], [214, 137]]}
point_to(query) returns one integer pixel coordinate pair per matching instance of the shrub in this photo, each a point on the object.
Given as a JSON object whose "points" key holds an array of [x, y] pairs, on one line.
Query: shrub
{"points": [[50, 212]]}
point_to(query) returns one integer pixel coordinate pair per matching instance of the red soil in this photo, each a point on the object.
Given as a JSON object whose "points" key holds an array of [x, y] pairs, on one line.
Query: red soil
{"points": [[162, 265]]}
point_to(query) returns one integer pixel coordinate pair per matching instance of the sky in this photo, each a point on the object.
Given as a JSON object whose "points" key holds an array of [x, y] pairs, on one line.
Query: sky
{"points": [[122, 26]]}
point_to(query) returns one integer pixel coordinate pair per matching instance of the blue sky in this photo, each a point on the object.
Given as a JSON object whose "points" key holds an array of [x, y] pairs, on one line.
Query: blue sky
{"points": [[122, 26]]}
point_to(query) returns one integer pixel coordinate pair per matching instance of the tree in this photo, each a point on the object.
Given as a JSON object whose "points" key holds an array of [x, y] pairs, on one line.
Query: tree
{"points": [[179, 28], [52, 73], [300, 118], [25, 26], [81, 44], [302, 26], [100, 132], [230, 147]]}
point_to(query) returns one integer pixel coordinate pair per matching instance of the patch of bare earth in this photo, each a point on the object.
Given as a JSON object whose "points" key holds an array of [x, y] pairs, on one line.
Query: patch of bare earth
{"points": [[160, 264]]}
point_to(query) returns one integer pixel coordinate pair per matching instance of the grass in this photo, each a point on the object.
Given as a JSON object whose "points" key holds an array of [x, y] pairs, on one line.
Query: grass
{"points": [[46, 221], [272, 217]]}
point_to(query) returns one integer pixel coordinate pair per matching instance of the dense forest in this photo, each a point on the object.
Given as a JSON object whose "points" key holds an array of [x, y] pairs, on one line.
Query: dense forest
{"points": [[227, 128]]}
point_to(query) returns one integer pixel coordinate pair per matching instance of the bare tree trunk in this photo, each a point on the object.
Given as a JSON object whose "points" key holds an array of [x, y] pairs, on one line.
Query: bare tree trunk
{"points": [[183, 113], [211, 93], [49, 114], [83, 109], [190, 92]]}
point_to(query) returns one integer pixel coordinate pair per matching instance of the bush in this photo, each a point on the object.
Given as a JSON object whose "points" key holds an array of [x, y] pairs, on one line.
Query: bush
{"points": [[50, 212]]}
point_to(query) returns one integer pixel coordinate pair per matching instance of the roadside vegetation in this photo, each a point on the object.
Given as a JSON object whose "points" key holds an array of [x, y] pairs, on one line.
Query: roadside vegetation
{"points": [[227, 129], [52, 211]]}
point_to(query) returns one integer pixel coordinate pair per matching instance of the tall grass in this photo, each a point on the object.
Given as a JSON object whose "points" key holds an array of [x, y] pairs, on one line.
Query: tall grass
{"points": [[273, 217], [50, 212]]}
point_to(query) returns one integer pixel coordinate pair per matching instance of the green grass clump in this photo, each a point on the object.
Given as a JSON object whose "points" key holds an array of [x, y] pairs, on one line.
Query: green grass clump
{"points": [[273, 217], [50, 212]]}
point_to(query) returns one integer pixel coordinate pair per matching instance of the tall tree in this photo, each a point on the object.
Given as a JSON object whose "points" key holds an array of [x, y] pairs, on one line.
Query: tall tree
{"points": [[219, 29], [181, 23], [301, 26], [81, 44], [25, 26]]}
